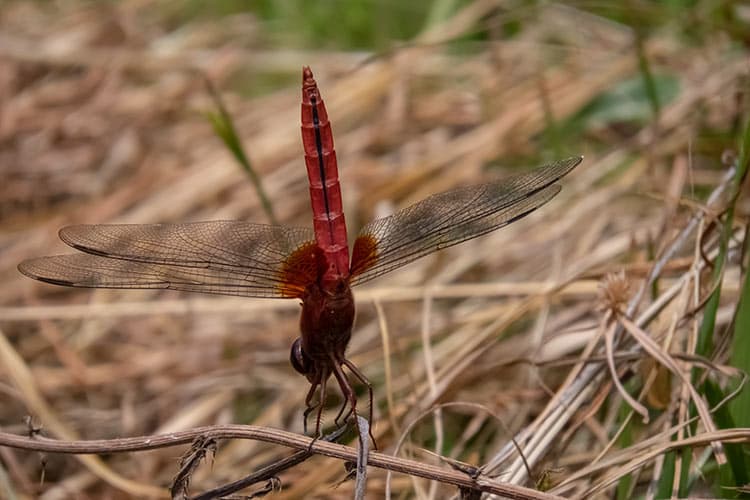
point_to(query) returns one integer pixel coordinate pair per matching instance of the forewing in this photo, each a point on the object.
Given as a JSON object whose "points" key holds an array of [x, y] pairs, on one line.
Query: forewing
{"points": [[448, 218], [223, 257]]}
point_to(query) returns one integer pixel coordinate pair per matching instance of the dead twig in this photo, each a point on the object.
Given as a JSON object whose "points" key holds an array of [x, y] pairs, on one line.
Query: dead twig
{"points": [[275, 436], [189, 463], [267, 473]]}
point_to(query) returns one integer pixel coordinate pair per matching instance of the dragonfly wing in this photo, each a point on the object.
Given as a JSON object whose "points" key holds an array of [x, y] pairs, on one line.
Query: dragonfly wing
{"points": [[448, 218], [224, 257]]}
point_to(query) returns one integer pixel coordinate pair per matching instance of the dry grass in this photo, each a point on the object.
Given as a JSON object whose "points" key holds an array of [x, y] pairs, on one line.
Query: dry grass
{"points": [[101, 121]]}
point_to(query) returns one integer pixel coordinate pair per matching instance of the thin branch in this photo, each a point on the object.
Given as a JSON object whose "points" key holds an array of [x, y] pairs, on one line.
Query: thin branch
{"points": [[275, 436]]}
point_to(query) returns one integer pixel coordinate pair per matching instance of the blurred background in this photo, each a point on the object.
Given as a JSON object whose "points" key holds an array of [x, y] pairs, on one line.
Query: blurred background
{"points": [[105, 116]]}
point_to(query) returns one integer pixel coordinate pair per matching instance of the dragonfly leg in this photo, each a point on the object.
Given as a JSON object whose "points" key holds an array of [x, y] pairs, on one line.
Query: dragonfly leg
{"points": [[309, 405], [339, 418], [320, 405], [348, 393], [361, 377]]}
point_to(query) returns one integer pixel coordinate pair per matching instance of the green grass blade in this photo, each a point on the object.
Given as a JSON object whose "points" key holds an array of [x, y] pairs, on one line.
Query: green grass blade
{"points": [[735, 472], [705, 334], [664, 487], [643, 63], [626, 483], [223, 126], [705, 343], [647, 75], [740, 358]]}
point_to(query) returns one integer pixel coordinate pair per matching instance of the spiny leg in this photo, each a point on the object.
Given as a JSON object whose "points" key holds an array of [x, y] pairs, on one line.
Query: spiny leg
{"points": [[339, 418], [347, 391], [361, 377], [322, 380], [345, 404], [309, 407], [321, 403]]}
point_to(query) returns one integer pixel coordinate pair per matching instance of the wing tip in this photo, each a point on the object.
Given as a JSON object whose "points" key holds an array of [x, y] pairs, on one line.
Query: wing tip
{"points": [[29, 269], [570, 163], [556, 170], [66, 234], [75, 237], [23, 268]]}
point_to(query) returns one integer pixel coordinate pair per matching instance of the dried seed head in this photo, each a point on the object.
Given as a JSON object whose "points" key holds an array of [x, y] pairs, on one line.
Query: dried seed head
{"points": [[728, 157], [614, 291]]}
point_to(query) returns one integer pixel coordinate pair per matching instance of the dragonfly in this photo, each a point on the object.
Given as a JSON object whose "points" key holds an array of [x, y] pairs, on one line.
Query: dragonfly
{"points": [[313, 265]]}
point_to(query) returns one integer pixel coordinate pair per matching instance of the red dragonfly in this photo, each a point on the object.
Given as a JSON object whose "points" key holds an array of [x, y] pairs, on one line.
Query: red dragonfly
{"points": [[314, 265]]}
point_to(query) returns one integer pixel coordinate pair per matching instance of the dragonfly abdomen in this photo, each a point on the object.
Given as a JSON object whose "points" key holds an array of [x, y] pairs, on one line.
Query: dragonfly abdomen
{"points": [[325, 191]]}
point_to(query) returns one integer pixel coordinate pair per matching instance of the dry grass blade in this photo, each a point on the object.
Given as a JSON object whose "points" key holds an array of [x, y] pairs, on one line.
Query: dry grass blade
{"points": [[363, 453], [590, 375], [15, 367], [739, 435], [665, 359], [609, 334], [189, 463]]}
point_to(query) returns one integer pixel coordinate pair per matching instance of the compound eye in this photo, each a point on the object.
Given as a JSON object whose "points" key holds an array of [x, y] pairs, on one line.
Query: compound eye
{"points": [[298, 358]]}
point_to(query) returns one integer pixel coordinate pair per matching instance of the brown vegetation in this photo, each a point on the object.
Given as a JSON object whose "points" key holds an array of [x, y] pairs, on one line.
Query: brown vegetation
{"points": [[101, 120]]}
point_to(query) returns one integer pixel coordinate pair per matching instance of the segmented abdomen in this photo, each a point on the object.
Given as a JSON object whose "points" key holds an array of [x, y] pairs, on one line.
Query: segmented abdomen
{"points": [[325, 190]]}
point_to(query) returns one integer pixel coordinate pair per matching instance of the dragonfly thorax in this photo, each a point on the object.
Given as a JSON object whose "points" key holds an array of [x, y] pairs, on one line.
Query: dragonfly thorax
{"points": [[325, 323]]}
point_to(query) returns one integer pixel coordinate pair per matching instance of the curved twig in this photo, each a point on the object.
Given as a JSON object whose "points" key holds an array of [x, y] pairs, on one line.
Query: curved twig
{"points": [[275, 436]]}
